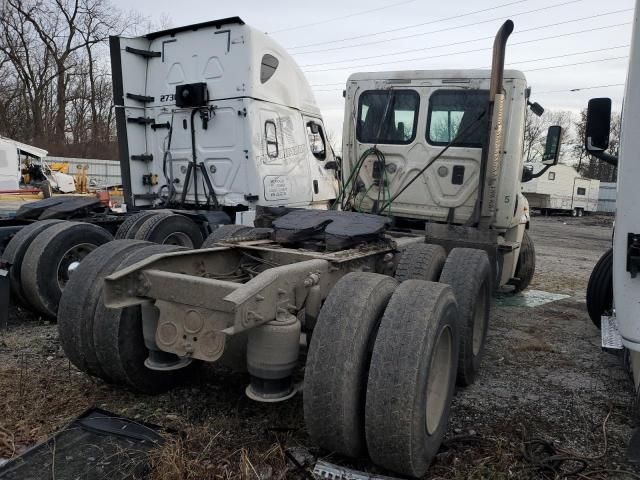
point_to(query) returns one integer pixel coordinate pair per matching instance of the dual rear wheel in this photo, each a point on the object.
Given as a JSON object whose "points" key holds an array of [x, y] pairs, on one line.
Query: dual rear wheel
{"points": [[386, 354], [381, 370]]}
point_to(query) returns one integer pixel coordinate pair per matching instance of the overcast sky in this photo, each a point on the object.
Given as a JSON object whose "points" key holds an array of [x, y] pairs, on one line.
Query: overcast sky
{"points": [[436, 35]]}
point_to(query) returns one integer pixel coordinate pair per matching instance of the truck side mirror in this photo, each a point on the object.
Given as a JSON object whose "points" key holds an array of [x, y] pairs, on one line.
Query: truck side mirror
{"points": [[598, 128], [552, 147]]}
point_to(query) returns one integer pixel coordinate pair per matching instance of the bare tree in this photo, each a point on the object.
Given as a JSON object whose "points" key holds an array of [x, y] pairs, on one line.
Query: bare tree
{"points": [[535, 131], [589, 166]]}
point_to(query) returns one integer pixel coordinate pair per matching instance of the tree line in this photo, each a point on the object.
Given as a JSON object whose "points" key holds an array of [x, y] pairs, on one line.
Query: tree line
{"points": [[55, 74]]}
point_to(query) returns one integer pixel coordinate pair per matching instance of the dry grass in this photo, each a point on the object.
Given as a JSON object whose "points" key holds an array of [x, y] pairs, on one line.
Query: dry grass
{"points": [[201, 452]]}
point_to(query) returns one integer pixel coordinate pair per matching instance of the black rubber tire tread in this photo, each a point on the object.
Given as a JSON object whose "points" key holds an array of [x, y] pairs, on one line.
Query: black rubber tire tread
{"points": [[600, 288], [526, 266], [14, 254], [337, 365], [395, 413], [421, 261], [156, 228], [119, 340], [136, 219], [40, 264], [76, 312], [468, 272], [222, 233]]}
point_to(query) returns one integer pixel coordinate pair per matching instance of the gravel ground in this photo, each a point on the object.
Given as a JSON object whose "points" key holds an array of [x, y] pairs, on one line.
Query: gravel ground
{"points": [[545, 386]]}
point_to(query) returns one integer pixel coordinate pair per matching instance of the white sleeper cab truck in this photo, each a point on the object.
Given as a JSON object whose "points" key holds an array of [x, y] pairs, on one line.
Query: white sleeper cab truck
{"points": [[217, 116], [423, 147], [613, 292]]}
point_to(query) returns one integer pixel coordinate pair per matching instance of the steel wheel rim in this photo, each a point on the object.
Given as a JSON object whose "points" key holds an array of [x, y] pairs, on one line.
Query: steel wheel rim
{"points": [[439, 379], [479, 321], [179, 239], [70, 261]]}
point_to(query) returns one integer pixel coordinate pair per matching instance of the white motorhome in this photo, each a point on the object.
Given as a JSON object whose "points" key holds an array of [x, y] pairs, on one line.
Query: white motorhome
{"points": [[219, 115], [562, 189]]}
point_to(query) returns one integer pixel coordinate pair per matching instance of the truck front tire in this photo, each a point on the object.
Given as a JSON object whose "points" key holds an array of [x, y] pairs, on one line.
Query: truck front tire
{"points": [[526, 265], [600, 288]]}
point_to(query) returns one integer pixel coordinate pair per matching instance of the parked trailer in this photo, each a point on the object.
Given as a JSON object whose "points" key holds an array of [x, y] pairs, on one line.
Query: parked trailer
{"points": [[562, 190], [389, 319]]}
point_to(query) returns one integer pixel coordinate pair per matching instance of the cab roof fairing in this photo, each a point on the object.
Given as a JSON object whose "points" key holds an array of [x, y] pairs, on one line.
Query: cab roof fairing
{"points": [[288, 86], [418, 75]]}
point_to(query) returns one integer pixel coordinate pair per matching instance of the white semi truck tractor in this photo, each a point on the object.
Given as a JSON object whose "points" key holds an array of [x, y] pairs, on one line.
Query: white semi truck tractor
{"points": [[613, 293]]}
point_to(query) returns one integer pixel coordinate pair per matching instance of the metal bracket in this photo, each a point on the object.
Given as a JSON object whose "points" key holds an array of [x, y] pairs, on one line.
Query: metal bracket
{"points": [[140, 120], [140, 98], [156, 126], [143, 53], [633, 254], [145, 157]]}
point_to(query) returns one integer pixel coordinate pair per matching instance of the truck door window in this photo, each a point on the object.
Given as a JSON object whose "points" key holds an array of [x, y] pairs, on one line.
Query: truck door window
{"points": [[316, 140], [388, 116], [452, 111], [581, 191], [271, 138]]}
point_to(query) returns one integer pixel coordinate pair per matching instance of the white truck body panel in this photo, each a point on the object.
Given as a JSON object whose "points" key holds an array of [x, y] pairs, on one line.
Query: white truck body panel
{"points": [[10, 152], [439, 190], [625, 288], [229, 57], [562, 188]]}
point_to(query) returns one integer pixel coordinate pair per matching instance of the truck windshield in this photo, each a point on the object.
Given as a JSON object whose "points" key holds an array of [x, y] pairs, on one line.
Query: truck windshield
{"points": [[451, 111], [388, 116]]}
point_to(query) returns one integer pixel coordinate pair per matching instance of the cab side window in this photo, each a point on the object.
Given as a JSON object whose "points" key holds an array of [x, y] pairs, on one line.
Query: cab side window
{"points": [[271, 137], [455, 116], [317, 141]]}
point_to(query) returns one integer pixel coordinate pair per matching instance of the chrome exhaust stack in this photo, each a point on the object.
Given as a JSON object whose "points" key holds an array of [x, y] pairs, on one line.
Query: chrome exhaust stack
{"points": [[490, 164]]}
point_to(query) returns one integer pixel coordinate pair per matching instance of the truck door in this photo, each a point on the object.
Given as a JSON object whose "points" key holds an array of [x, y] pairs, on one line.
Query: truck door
{"points": [[321, 161], [411, 125], [282, 162]]}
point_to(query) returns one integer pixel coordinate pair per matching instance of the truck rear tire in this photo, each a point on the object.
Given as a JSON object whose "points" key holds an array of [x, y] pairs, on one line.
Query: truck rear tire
{"points": [[78, 303], [51, 259], [337, 365], [526, 265], [14, 255], [600, 288], [468, 272], [171, 229], [412, 377], [119, 341], [132, 224], [421, 261]]}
